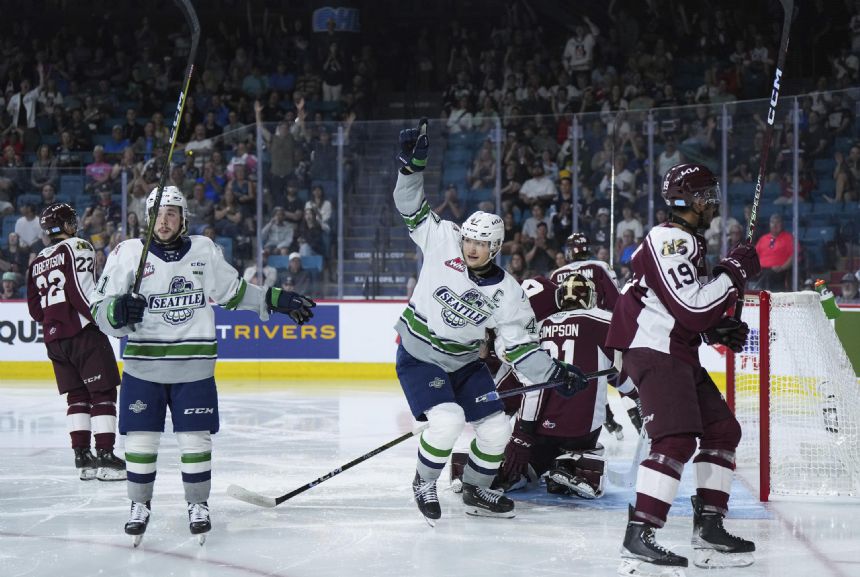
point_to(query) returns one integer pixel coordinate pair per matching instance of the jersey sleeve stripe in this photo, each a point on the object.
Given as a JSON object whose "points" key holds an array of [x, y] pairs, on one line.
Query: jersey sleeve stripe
{"points": [[518, 353], [668, 286], [237, 298], [415, 219]]}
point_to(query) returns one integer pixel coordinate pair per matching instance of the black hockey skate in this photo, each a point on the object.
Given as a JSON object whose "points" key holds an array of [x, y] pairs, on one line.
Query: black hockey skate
{"points": [[713, 545], [138, 521], [426, 499], [111, 467], [198, 520], [86, 463], [482, 502], [642, 555]]}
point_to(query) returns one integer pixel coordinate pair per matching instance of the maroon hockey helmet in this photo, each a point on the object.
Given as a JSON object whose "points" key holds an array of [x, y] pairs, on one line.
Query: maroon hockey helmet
{"points": [[684, 183], [55, 216], [576, 247]]}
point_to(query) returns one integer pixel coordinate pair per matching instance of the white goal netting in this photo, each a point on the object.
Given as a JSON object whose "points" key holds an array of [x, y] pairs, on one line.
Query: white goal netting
{"points": [[814, 411]]}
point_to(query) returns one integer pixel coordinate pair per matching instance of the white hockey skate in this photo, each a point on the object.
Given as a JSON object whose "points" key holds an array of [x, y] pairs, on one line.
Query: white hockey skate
{"points": [[198, 520], [138, 520]]}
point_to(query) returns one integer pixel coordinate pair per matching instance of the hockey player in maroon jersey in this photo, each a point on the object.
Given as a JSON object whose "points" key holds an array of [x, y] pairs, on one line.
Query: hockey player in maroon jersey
{"points": [[59, 281], [554, 435], [665, 311], [579, 259]]}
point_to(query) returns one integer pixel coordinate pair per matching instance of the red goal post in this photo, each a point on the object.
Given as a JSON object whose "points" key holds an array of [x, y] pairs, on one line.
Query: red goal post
{"points": [[797, 398]]}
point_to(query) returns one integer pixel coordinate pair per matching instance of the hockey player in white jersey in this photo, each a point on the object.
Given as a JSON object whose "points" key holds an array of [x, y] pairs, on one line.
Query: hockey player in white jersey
{"points": [[460, 293], [171, 350]]}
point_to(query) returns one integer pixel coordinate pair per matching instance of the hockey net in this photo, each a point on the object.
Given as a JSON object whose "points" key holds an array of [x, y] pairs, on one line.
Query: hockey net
{"points": [[797, 398]]}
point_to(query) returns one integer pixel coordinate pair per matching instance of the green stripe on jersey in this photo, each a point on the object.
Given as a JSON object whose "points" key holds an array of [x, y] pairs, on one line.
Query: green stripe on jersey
{"points": [[520, 351], [414, 220], [159, 351], [421, 329], [196, 457], [237, 298]]}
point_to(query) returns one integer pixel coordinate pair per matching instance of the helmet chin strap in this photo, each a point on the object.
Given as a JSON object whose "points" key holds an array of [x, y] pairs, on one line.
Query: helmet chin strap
{"points": [[684, 223]]}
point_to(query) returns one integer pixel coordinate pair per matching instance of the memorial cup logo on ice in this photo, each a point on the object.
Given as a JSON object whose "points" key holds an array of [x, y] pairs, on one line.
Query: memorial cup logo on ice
{"points": [[458, 310], [179, 303]]}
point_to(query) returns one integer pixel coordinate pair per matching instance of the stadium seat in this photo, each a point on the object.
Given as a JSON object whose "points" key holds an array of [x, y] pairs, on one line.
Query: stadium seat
{"points": [[72, 184], [312, 263], [31, 199], [818, 234], [279, 261]]}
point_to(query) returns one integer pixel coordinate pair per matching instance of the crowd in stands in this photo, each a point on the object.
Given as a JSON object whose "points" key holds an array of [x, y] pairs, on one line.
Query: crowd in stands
{"points": [[610, 76], [85, 117]]}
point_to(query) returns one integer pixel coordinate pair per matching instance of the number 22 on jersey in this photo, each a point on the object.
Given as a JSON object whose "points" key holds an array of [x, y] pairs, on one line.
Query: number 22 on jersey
{"points": [[50, 287]]}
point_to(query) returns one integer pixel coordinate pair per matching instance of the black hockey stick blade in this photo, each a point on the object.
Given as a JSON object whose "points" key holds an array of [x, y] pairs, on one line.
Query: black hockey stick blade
{"points": [[243, 494], [194, 24], [496, 395]]}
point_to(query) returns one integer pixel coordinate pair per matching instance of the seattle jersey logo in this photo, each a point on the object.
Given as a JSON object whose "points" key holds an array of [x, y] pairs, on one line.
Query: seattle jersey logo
{"points": [[460, 310], [179, 303]]}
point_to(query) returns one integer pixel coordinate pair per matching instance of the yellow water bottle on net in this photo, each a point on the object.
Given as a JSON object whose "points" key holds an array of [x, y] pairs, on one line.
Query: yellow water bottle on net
{"points": [[828, 302]]}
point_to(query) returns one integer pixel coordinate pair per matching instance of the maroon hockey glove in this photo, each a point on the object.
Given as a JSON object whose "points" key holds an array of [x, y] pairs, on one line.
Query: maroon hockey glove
{"points": [[519, 450], [741, 264], [730, 332]]}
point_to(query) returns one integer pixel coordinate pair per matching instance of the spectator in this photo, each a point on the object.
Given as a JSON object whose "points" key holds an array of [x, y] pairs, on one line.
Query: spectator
{"points": [[579, 51], [670, 157], [117, 143], [21, 106], [13, 179], [293, 207], [10, 290], [625, 181], [199, 147], [714, 234], [530, 226], [333, 74], [241, 157], [450, 208], [270, 273], [228, 216], [44, 169], [309, 234], [512, 241], [82, 136], [538, 188], [626, 247], [483, 173], [301, 279], [600, 233], [234, 131], [628, 222], [562, 222], [278, 232], [98, 171], [323, 207], [213, 184], [131, 130], [132, 226], [517, 267], [284, 150], [200, 209], [460, 119], [27, 226], [309, 85], [104, 200], [849, 294], [541, 257], [66, 153], [846, 173], [14, 257], [776, 254]]}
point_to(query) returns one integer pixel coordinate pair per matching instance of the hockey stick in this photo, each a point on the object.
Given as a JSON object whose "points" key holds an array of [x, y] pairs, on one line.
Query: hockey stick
{"points": [[191, 18], [627, 479], [788, 12], [496, 395], [253, 498]]}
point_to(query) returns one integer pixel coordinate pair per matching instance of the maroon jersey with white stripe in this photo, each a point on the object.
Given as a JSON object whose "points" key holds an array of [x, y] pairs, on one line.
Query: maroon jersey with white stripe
{"points": [[669, 301], [59, 282], [603, 277], [575, 337], [542, 297]]}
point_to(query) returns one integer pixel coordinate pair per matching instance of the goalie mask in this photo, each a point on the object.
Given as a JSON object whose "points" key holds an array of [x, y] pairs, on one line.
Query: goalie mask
{"points": [[171, 197], [576, 247], [486, 227], [56, 216], [683, 184], [576, 292]]}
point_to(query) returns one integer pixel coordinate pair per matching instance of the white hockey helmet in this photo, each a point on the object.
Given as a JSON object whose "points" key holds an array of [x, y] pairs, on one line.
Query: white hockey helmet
{"points": [[171, 196], [487, 227]]}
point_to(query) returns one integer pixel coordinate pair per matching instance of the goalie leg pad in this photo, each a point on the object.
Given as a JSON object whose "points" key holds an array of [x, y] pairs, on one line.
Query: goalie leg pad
{"points": [[581, 472]]}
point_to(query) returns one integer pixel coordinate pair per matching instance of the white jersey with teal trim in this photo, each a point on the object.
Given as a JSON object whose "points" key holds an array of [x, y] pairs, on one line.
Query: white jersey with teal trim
{"points": [[450, 310], [176, 340]]}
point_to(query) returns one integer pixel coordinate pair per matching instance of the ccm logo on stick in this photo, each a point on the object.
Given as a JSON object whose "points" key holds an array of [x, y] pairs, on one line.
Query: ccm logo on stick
{"points": [[200, 411]]}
